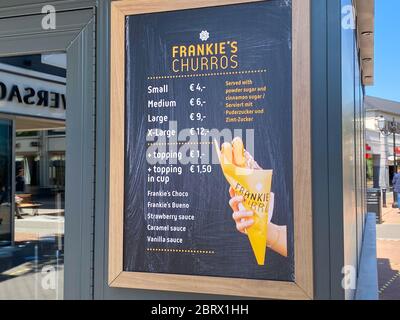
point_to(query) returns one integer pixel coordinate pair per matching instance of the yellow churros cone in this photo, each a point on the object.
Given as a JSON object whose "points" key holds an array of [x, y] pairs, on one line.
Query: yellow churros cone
{"points": [[255, 187]]}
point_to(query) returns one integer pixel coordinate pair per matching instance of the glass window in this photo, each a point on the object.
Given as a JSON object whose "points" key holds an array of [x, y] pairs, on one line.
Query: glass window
{"points": [[5, 183], [57, 170], [32, 235]]}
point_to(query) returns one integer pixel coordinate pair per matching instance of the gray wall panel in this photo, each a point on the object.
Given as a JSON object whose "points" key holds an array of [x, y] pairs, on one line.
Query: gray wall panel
{"points": [[353, 152], [360, 152], [16, 8], [349, 155], [79, 198], [320, 160], [28, 25], [26, 33], [334, 145], [102, 143]]}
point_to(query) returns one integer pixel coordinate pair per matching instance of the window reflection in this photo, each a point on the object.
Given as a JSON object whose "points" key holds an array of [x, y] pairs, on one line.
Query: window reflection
{"points": [[5, 182], [32, 184]]}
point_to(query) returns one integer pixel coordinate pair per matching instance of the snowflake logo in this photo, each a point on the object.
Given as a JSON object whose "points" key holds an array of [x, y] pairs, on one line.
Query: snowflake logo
{"points": [[204, 35]]}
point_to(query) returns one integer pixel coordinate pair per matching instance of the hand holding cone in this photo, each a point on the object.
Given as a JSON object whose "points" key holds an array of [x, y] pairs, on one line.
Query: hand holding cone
{"points": [[249, 181]]}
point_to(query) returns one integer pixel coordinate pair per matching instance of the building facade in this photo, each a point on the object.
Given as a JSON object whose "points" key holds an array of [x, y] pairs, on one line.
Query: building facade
{"points": [[42, 155], [381, 163], [331, 44]]}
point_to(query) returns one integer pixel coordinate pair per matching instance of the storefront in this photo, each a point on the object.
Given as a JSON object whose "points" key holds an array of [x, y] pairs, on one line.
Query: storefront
{"points": [[6, 177], [42, 155], [198, 159], [383, 145], [32, 109]]}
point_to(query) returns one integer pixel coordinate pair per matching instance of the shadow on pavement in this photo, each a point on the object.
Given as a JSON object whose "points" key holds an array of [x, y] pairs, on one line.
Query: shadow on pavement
{"points": [[389, 281], [30, 256]]}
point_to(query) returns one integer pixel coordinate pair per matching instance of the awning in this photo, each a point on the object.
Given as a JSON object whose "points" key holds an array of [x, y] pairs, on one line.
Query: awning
{"points": [[365, 11]]}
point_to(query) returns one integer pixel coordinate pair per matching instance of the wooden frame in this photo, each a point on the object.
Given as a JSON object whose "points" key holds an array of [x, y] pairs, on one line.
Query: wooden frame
{"points": [[302, 288]]}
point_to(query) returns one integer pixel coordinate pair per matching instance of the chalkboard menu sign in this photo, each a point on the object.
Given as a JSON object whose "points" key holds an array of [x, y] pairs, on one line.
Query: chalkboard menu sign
{"points": [[208, 144]]}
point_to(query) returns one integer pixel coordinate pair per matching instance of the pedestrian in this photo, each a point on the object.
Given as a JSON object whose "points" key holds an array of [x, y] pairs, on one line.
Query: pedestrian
{"points": [[20, 181], [396, 185]]}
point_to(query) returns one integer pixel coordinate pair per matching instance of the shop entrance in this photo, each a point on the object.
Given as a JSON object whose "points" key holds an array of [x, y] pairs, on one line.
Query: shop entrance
{"points": [[47, 160], [6, 174], [33, 178]]}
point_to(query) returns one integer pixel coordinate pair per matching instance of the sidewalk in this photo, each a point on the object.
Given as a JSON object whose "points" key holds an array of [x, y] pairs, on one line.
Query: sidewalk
{"points": [[388, 254]]}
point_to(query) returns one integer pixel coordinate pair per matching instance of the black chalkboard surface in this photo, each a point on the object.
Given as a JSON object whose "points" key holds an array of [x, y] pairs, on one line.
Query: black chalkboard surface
{"points": [[192, 77]]}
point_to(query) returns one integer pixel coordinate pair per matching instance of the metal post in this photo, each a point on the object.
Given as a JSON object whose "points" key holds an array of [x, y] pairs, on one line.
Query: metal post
{"points": [[394, 126], [384, 198], [394, 130]]}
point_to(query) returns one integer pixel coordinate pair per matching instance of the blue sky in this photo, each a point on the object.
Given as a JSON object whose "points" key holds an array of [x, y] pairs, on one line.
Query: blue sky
{"points": [[387, 50]]}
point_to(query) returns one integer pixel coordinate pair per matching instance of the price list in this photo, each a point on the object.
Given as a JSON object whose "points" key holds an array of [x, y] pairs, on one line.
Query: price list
{"points": [[170, 214], [193, 84]]}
